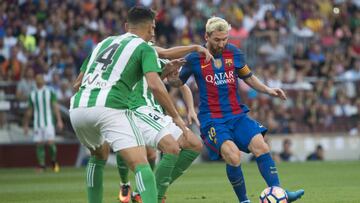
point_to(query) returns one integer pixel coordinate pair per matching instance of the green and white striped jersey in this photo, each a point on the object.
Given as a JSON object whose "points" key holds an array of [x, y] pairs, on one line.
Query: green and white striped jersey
{"points": [[142, 95], [41, 101], [111, 71]]}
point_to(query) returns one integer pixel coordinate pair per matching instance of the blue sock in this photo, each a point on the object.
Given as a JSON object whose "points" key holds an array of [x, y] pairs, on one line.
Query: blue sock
{"points": [[268, 169], [237, 181]]}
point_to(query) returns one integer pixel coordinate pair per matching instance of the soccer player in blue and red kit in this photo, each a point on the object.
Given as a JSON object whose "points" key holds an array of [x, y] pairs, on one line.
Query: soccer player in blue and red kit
{"points": [[225, 126]]}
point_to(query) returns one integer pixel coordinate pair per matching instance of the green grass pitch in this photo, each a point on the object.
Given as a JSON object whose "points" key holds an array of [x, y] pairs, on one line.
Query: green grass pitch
{"points": [[330, 182]]}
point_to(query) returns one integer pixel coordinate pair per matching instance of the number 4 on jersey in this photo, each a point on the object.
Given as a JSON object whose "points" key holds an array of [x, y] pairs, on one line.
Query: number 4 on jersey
{"points": [[106, 56]]}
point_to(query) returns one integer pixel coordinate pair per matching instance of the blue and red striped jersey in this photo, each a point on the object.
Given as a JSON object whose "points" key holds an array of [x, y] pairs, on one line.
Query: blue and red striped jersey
{"points": [[217, 83]]}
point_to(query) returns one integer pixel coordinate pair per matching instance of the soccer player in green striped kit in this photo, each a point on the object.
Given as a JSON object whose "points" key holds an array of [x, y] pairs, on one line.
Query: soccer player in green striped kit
{"points": [[99, 112], [159, 131], [42, 102]]}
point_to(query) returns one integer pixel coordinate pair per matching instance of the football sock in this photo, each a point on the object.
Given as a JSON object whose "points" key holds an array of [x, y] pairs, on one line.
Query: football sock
{"points": [[145, 183], [94, 179], [40, 154], [152, 166], [163, 173], [186, 157], [236, 178], [268, 169], [52, 150], [123, 169]]}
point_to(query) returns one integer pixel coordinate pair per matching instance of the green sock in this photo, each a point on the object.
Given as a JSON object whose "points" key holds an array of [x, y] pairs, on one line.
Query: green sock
{"points": [[152, 166], [52, 150], [186, 157], [94, 179], [163, 173], [123, 169], [145, 182], [40, 154]]}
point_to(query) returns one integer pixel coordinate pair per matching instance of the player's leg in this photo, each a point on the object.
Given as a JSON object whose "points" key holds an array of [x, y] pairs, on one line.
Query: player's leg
{"points": [[264, 160], [250, 138], [151, 156], [87, 129], [237, 180], [50, 137], [155, 128], [40, 149], [125, 189], [232, 157], [218, 140], [191, 148], [135, 158], [165, 167], [40, 155], [95, 171], [124, 136], [267, 166]]}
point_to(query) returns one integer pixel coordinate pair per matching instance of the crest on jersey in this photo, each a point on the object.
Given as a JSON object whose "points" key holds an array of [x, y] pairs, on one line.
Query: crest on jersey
{"points": [[218, 63], [228, 62]]}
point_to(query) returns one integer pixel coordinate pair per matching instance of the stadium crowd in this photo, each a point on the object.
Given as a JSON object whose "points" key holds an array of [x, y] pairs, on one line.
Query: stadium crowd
{"points": [[309, 48]]}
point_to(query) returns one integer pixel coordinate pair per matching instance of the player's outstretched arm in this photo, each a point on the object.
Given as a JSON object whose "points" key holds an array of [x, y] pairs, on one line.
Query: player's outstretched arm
{"points": [[189, 101], [255, 83], [181, 51], [161, 95]]}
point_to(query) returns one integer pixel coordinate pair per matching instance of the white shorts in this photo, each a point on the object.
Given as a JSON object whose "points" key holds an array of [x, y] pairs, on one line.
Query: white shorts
{"points": [[95, 125], [154, 125], [44, 134]]}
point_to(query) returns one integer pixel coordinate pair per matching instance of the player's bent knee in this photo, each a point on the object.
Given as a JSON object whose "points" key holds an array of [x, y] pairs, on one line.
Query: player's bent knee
{"points": [[193, 143], [168, 145], [260, 149], [197, 146], [231, 153], [233, 159]]}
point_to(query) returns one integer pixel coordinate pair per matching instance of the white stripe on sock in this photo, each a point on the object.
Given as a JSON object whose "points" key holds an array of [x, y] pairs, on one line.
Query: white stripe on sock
{"points": [[140, 182], [92, 175]]}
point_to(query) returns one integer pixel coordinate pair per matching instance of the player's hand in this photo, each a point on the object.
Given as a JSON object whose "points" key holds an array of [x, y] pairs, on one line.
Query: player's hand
{"points": [[60, 125], [180, 123], [172, 67], [192, 117], [206, 52], [277, 92]]}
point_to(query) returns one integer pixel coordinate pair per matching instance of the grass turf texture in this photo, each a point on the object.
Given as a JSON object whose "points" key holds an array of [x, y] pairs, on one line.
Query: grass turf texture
{"points": [[328, 182]]}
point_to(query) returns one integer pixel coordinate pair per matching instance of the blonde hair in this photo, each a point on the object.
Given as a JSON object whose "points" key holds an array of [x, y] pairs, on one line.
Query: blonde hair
{"points": [[217, 24]]}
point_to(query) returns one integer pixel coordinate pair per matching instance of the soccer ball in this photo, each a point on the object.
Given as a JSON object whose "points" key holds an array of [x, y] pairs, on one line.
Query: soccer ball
{"points": [[273, 194]]}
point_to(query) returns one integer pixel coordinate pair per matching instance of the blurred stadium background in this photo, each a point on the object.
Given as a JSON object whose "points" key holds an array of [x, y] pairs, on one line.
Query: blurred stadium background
{"points": [[309, 48]]}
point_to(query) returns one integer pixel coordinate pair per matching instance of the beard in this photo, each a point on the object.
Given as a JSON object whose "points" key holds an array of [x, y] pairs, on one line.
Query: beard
{"points": [[216, 51]]}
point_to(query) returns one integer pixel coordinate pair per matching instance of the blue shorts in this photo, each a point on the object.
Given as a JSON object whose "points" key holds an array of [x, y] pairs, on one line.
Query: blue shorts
{"points": [[240, 130]]}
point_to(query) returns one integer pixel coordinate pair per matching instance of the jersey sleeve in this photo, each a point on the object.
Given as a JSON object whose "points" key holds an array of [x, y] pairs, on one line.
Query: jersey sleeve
{"points": [[149, 59], [241, 67], [186, 69]]}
